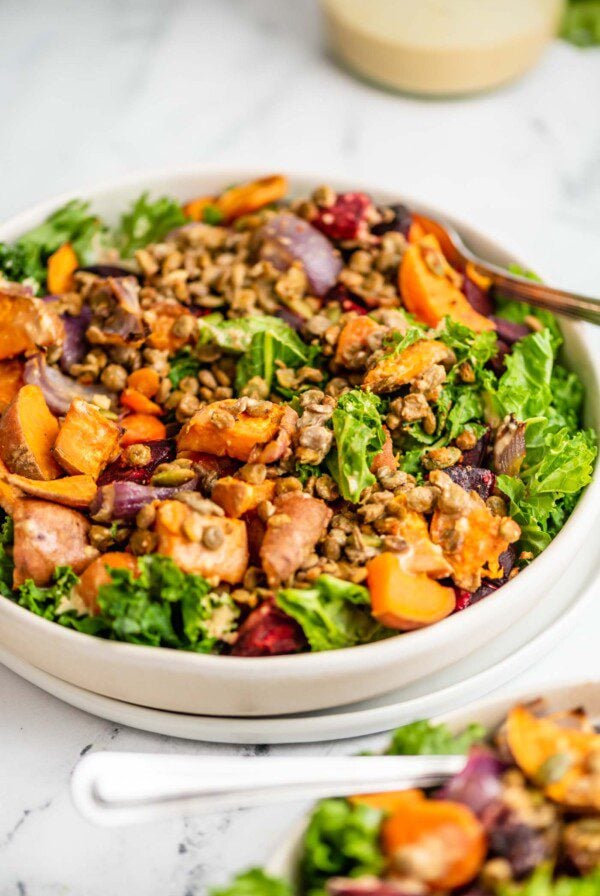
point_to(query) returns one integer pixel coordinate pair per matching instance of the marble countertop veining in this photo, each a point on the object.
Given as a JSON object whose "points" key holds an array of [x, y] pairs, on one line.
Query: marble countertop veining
{"points": [[93, 90]]}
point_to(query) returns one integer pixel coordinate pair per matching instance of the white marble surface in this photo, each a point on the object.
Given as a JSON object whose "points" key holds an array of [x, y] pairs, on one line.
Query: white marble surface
{"points": [[95, 89]]}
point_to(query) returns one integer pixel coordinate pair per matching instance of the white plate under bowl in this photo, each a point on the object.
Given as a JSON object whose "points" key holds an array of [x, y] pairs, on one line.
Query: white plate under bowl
{"points": [[490, 713], [233, 686], [510, 655]]}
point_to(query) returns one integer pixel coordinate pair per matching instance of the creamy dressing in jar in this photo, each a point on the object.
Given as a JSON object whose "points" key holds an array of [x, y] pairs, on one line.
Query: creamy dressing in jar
{"points": [[440, 47]]}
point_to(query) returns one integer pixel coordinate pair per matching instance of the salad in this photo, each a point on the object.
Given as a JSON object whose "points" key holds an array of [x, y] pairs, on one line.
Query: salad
{"points": [[521, 819], [256, 425]]}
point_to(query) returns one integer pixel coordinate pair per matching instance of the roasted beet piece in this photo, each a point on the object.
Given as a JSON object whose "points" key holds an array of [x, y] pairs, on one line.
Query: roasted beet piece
{"points": [[348, 300], [507, 560], [161, 452], [508, 331], [522, 846], [474, 457], [268, 631], [475, 479], [477, 297], [400, 223], [108, 270], [498, 363], [346, 218]]}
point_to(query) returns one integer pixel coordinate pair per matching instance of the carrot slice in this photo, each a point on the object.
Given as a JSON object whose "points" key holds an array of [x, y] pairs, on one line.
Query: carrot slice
{"points": [[62, 264], [145, 380], [136, 401], [141, 428], [195, 208]]}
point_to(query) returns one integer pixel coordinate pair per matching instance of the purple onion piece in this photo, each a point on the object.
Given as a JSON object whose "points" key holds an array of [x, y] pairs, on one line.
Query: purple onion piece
{"points": [[474, 457], [292, 319], [508, 331], [123, 500], [75, 344], [507, 560], [108, 270], [122, 323], [479, 784], [161, 452], [287, 238], [473, 479], [509, 447], [477, 298], [400, 223], [59, 390]]}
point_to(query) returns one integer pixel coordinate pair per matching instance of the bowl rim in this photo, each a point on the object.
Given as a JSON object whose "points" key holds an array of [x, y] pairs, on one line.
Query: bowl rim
{"points": [[156, 181]]}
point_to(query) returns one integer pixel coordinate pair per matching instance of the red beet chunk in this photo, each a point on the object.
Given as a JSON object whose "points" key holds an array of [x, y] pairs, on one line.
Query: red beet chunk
{"points": [[342, 295], [466, 599], [268, 631], [477, 298], [161, 452], [473, 479], [346, 218], [474, 457], [498, 362], [508, 331]]}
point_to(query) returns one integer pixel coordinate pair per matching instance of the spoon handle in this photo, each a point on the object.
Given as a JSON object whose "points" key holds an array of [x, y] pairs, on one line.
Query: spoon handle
{"points": [[557, 300], [122, 788]]}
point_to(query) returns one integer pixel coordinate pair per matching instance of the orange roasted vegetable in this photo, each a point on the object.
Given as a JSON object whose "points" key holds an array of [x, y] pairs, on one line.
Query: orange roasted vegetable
{"points": [[386, 457], [161, 318], [62, 264], [28, 432], [11, 380], [405, 600], [211, 546], [420, 554], [237, 497], [449, 831], [87, 440], [194, 210], [221, 428], [394, 370], [558, 759], [471, 537], [139, 403], [46, 536], [97, 574], [250, 197], [430, 288], [26, 322], [353, 343], [416, 232], [292, 532], [73, 491], [141, 428], [390, 802], [145, 380], [9, 495]]}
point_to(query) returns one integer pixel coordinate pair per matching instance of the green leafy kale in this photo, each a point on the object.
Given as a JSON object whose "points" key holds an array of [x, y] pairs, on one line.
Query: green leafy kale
{"points": [[426, 739], [542, 884], [342, 840], [254, 883], [265, 343], [6, 562], [359, 436], [28, 258], [147, 222], [183, 364], [581, 23], [333, 613], [212, 214], [163, 606]]}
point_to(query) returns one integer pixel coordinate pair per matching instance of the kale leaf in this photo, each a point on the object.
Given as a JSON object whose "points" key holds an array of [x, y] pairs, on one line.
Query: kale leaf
{"points": [[541, 884], [359, 436], [581, 23], [426, 739], [147, 222], [183, 364], [254, 883]]}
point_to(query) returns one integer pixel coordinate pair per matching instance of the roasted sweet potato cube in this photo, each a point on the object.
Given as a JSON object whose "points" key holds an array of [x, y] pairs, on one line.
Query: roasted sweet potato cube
{"points": [[292, 532], [72, 491], [28, 432], [394, 371], [87, 441], [211, 546], [11, 380], [26, 322], [353, 343], [405, 600], [222, 428], [237, 497], [46, 536], [9, 495]]}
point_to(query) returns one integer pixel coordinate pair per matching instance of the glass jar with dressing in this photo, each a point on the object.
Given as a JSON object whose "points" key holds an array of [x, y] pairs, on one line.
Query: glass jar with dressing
{"points": [[440, 47]]}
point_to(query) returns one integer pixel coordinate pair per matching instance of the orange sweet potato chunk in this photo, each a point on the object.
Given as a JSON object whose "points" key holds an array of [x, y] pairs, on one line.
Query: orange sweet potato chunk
{"points": [[394, 371], [87, 440], [405, 600], [9, 495], [62, 264], [292, 532], [212, 546], [237, 497], [26, 322], [430, 287], [97, 574], [72, 491], [221, 428], [11, 380], [28, 433], [386, 457], [250, 197], [354, 339], [161, 317]]}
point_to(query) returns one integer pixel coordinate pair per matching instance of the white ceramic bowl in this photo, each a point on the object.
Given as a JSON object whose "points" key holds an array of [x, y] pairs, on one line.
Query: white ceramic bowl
{"points": [[185, 682], [490, 713]]}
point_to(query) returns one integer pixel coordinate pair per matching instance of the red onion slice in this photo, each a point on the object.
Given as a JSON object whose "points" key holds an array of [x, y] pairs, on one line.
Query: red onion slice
{"points": [[59, 390], [287, 238]]}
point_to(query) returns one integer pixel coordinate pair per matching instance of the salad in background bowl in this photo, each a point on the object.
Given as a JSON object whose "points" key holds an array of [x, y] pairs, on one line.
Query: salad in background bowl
{"points": [[271, 421], [522, 818]]}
